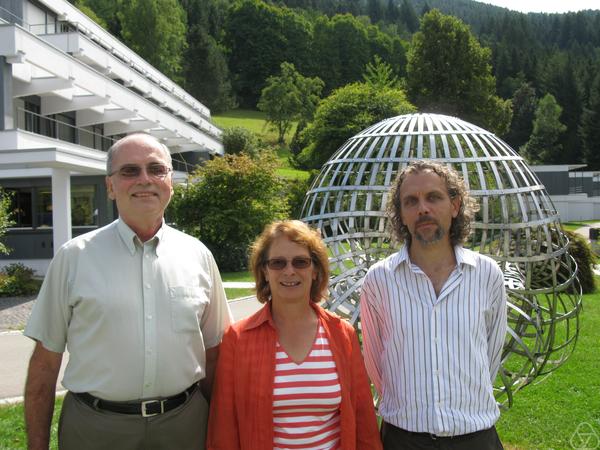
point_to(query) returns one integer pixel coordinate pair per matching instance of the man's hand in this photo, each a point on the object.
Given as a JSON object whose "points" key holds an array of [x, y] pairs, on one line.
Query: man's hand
{"points": [[40, 388]]}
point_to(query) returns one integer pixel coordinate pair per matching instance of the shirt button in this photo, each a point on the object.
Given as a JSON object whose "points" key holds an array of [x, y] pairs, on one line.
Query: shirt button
{"points": [[148, 286], [147, 256], [149, 317]]}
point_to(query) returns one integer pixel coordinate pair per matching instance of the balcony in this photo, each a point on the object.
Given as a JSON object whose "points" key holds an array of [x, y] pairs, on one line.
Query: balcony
{"points": [[65, 83]]}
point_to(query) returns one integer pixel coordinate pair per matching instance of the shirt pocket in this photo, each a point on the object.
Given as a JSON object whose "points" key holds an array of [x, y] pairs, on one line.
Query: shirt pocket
{"points": [[187, 305]]}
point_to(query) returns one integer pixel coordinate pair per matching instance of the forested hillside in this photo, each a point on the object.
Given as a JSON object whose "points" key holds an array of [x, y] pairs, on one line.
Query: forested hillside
{"points": [[536, 80]]}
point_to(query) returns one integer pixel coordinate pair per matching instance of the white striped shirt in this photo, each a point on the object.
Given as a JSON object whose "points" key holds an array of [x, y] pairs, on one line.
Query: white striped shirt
{"points": [[306, 399], [433, 359]]}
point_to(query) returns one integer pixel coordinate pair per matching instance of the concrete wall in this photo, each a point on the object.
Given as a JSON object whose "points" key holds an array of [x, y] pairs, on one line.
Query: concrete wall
{"points": [[576, 207]]}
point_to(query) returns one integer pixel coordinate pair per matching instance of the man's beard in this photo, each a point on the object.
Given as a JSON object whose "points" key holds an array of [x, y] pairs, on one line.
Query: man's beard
{"points": [[437, 235]]}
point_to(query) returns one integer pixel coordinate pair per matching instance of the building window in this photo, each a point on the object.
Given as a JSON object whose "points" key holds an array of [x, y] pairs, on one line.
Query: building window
{"points": [[65, 126], [84, 212], [21, 207], [32, 117], [32, 207], [43, 210]]}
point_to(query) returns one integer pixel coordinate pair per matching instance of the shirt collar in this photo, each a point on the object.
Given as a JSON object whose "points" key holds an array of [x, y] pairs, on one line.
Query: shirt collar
{"points": [[131, 240], [462, 255], [264, 316]]}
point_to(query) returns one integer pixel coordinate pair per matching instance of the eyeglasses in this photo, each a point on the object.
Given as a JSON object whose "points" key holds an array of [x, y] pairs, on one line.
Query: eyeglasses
{"points": [[299, 262], [158, 171]]}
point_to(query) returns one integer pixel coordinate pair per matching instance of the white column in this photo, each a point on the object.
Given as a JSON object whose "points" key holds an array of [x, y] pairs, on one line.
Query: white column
{"points": [[61, 207]]}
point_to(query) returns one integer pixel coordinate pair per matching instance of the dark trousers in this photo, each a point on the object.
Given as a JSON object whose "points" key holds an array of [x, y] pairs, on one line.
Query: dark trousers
{"points": [[84, 428], [395, 438]]}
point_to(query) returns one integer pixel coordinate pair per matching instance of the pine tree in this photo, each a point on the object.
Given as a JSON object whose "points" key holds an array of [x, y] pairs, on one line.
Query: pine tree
{"points": [[589, 129], [524, 103], [408, 16], [544, 146]]}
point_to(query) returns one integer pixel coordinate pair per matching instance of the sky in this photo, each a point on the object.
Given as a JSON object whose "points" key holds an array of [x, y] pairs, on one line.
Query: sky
{"points": [[547, 6]]}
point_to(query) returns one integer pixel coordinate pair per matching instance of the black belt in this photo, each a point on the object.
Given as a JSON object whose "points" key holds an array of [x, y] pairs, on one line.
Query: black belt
{"points": [[433, 437], [146, 408]]}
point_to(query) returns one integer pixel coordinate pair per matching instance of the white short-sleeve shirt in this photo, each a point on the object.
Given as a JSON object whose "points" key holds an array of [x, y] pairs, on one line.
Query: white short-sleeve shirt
{"points": [[135, 317]]}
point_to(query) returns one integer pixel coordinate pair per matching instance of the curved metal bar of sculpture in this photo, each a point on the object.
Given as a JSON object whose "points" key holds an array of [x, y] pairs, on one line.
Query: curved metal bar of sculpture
{"points": [[517, 225]]}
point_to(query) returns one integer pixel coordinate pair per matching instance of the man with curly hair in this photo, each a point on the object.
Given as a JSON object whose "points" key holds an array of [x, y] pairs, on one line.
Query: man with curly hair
{"points": [[434, 319]]}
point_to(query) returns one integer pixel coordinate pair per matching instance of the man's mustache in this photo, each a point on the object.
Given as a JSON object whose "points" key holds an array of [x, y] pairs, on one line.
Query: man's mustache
{"points": [[423, 219]]}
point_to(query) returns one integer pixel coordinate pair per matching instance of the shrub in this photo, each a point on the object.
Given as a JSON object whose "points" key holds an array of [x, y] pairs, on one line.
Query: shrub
{"points": [[5, 219], [296, 190], [227, 203], [580, 250], [238, 140], [17, 279]]}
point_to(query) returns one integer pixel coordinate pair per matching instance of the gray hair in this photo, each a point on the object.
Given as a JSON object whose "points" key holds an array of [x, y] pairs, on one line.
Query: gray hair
{"points": [[110, 154]]}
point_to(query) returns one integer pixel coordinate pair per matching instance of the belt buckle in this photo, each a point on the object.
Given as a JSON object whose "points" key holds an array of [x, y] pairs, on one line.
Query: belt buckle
{"points": [[147, 402]]}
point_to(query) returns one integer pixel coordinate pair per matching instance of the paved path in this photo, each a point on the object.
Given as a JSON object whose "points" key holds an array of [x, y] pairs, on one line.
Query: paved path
{"points": [[15, 349]]}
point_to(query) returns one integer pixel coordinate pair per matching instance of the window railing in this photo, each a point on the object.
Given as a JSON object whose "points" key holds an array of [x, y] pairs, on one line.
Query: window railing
{"points": [[55, 27], [61, 130]]}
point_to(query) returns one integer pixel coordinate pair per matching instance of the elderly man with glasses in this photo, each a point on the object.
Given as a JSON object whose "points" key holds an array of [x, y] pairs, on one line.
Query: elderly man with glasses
{"points": [[141, 309]]}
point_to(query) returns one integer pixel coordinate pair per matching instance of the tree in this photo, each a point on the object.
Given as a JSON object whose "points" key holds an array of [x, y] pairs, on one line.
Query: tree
{"points": [[84, 7], [205, 65], [590, 126], [449, 72], [155, 29], [392, 14], [544, 145], [341, 49], [380, 74], [5, 221], [259, 37], [375, 10], [558, 77], [206, 71], [524, 103], [227, 203], [106, 10], [289, 97], [344, 113], [408, 16]]}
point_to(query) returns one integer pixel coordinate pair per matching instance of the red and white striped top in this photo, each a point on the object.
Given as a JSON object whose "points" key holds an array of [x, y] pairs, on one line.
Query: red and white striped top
{"points": [[306, 399]]}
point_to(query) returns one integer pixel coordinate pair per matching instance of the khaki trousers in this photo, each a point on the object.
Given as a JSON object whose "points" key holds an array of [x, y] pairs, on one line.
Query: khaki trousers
{"points": [[82, 427]]}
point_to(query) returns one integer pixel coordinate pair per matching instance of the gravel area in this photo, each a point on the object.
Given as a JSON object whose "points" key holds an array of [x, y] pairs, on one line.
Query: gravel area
{"points": [[14, 312]]}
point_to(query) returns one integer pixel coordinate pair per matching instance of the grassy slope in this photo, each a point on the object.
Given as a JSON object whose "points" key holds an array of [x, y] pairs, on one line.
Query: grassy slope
{"points": [[255, 121]]}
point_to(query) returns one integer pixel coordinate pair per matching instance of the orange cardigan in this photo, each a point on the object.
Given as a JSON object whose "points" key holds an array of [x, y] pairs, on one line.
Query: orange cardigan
{"points": [[241, 408]]}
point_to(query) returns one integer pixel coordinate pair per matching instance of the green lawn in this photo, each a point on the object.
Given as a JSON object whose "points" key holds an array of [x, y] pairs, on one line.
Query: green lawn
{"points": [[237, 276], [255, 121], [12, 427], [572, 226], [555, 412], [549, 413], [234, 293]]}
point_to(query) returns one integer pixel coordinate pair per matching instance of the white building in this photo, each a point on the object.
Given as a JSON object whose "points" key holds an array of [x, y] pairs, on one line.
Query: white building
{"points": [[574, 191], [69, 89]]}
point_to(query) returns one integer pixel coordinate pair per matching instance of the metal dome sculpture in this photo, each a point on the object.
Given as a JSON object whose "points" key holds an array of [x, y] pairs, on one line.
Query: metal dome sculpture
{"points": [[517, 225]]}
